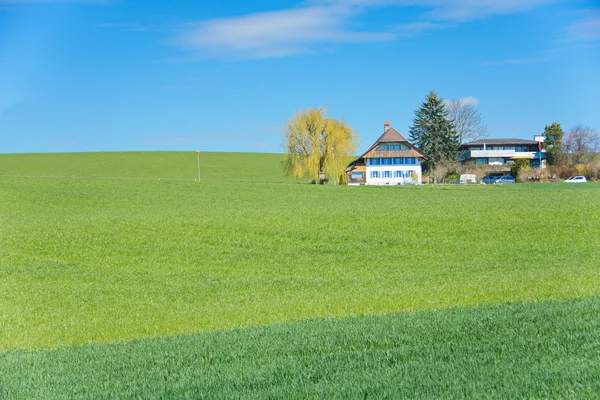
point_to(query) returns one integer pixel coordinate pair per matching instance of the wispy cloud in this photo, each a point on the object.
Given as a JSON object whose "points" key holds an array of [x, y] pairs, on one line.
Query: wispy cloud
{"points": [[450, 10], [514, 61], [586, 28], [469, 10], [470, 100], [467, 101], [313, 23], [274, 33]]}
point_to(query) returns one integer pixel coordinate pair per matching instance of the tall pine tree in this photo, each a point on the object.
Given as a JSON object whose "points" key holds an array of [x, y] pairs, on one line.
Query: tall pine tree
{"points": [[553, 136], [433, 132]]}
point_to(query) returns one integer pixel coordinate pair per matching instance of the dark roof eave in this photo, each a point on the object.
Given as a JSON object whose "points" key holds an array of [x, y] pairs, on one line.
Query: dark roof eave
{"points": [[481, 142]]}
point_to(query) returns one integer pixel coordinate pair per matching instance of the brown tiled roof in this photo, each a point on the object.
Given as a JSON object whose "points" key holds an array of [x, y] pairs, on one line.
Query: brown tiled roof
{"points": [[392, 135]]}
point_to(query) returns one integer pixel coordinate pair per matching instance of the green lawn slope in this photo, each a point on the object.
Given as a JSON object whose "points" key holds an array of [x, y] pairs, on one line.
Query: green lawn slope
{"points": [[220, 167], [539, 350], [112, 254]]}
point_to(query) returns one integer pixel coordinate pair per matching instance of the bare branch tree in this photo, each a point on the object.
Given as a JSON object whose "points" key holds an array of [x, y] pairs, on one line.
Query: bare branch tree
{"points": [[467, 120], [443, 169], [582, 142]]}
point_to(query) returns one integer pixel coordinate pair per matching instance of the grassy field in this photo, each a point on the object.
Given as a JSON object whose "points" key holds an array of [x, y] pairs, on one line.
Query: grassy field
{"points": [[541, 350], [111, 254], [220, 167]]}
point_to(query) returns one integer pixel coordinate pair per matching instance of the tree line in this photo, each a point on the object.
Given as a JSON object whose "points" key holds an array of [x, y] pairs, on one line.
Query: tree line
{"points": [[318, 147], [574, 152], [579, 145]]}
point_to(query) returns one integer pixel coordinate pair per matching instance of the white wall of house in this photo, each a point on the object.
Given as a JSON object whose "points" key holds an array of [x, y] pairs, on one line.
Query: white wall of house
{"points": [[388, 175]]}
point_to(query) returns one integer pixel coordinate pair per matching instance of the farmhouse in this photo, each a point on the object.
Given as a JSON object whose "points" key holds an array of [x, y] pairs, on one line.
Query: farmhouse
{"points": [[498, 154], [391, 160]]}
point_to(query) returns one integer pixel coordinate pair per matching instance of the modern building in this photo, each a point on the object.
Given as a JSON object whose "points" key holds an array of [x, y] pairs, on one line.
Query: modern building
{"points": [[500, 153], [391, 160]]}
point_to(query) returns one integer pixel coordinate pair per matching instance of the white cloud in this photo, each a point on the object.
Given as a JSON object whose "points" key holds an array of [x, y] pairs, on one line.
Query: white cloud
{"points": [[275, 33], [586, 28], [450, 10], [470, 100], [468, 10], [313, 23], [466, 101]]}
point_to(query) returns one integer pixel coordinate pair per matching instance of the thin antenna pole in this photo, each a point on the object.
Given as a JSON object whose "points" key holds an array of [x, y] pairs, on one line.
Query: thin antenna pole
{"points": [[198, 154]]}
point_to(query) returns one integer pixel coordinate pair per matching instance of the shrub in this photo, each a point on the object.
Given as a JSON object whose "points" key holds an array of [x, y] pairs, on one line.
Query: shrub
{"points": [[544, 175], [525, 173], [584, 169], [471, 168], [567, 172], [594, 169], [552, 173], [445, 170], [517, 166]]}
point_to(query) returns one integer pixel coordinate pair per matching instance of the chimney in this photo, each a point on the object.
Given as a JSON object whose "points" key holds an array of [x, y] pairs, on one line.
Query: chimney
{"points": [[386, 125]]}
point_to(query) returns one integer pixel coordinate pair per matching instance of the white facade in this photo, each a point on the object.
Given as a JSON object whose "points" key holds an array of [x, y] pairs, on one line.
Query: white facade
{"points": [[500, 153], [391, 160], [393, 174]]}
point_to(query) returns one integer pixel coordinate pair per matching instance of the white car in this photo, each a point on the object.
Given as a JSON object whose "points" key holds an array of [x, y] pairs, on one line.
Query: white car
{"points": [[576, 179]]}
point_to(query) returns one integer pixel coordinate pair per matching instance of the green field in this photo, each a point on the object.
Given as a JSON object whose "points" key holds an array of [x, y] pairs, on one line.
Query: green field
{"points": [[122, 276]]}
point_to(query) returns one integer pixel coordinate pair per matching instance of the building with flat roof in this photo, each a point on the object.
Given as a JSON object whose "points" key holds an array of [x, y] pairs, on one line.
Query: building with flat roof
{"points": [[500, 153]]}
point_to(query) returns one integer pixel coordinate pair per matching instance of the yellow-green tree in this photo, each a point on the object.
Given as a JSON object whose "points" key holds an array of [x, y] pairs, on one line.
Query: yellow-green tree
{"points": [[317, 147]]}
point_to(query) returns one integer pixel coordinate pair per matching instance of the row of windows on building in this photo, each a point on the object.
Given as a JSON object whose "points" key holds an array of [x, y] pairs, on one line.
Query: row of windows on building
{"points": [[515, 148], [393, 147], [392, 161], [388, 174]]}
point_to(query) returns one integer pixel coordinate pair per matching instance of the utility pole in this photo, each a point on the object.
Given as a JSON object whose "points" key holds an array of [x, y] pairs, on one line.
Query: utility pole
{"points": [[198, 154]]}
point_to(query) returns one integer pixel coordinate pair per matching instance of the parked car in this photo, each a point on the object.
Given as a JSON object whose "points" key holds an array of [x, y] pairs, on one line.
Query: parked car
{"points": [[489, 179], [576, 179], [504, 179], [467, 178]]}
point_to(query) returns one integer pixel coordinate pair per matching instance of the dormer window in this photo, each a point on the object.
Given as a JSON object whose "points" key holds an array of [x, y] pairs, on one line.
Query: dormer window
{"points": [[396, 146]]}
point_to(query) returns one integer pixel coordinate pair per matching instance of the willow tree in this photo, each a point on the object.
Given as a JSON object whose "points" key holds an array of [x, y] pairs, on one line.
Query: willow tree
{"points": [[317, 146]]}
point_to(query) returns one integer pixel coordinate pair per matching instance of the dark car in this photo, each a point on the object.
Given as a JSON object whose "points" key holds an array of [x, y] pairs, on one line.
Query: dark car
{"points": [[504, 179], [489, 179]]}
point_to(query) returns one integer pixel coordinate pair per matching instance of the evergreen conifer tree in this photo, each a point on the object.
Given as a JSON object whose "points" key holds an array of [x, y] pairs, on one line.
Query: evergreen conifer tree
{"points": [[432, 131], [553, 136]]}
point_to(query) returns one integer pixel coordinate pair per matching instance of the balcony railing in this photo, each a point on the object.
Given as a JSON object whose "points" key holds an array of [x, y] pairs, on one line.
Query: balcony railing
{"points": [[495, 154]]}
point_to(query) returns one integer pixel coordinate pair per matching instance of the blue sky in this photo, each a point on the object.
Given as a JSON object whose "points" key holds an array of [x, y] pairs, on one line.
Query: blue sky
{"points": [[121, 75]]}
